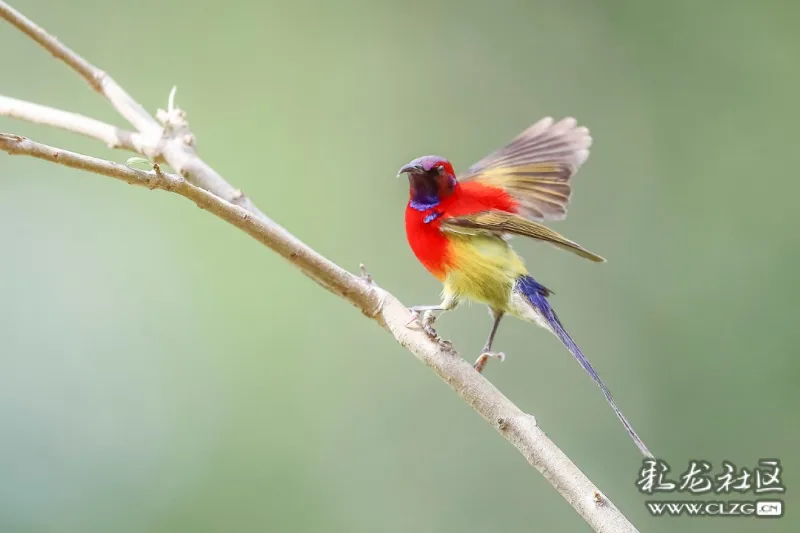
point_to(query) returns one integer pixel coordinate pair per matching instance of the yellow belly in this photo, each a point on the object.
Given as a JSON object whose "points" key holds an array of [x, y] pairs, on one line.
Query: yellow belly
{"points": [[483, 269]]}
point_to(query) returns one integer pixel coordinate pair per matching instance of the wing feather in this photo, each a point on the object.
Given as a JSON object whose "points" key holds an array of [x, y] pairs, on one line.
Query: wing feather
{"points": [[499, 223], [535, 167]]}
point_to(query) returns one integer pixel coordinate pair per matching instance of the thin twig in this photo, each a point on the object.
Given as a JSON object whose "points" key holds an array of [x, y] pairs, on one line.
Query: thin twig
{"points": [[174, 142], [97, 79], [210, 191], [112, 136]]}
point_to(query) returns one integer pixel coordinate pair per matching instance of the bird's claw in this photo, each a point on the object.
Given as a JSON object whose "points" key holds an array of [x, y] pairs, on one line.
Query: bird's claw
{"points": [[414, 318], [426, 324], [446, 345], [480, 363], [428, 318], [427, 327], [495, 355]]}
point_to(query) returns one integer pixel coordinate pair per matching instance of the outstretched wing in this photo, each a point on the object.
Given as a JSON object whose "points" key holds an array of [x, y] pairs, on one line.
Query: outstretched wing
{"points": [[535, 168], [494, 222]]}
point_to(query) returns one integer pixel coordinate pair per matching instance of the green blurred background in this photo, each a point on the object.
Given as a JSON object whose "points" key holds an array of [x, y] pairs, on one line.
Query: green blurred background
{"points": [[160, 371]]}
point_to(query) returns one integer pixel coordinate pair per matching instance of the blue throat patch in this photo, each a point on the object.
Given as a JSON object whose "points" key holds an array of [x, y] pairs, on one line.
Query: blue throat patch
{"points": [[423, 204]]}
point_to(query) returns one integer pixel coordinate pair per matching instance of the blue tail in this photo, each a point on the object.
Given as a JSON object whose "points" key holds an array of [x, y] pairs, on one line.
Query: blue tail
{"points": [[537, 294]]}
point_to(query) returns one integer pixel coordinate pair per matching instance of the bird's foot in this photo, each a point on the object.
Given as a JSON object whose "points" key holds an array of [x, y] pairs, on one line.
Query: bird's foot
{"points": [[446, 345], [428, 318], [426, 323], [480, 363]]}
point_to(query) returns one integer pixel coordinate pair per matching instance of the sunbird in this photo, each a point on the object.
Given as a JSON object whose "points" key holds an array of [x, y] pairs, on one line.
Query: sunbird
{"points": [[459, 229]]}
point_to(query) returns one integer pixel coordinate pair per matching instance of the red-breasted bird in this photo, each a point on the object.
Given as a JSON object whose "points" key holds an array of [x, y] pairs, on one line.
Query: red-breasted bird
{"points": [[459, 230]]}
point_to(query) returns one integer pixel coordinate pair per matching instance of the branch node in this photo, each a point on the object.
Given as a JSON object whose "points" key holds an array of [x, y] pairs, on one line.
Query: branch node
{"points": [[98, 80], [11, 137], [366, 276], [381, 296], [173, 120], [157, 170]]}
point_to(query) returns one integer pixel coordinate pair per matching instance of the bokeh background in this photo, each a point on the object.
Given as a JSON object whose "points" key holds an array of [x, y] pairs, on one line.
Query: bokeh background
{"points": [[162, 372]]}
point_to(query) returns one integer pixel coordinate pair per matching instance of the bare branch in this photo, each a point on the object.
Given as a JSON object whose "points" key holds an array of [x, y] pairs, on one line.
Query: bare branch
{"points": [[99, 80], [519, 428], [112, 136], [174, 142]]}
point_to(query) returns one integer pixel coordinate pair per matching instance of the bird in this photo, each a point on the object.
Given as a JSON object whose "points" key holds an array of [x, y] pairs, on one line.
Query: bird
{"points": [[460, 229]]}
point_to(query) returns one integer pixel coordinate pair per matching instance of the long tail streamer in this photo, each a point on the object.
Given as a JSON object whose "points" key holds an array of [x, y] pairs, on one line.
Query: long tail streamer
{"points": [[537, 294]]}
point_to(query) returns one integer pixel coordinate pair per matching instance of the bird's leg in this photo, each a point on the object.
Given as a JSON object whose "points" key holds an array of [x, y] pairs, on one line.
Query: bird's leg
{"points": [[487, 352], [428, 318]]}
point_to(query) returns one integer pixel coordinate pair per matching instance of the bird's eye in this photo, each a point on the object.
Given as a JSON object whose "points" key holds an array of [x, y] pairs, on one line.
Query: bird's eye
{"points": [[440, 169]]}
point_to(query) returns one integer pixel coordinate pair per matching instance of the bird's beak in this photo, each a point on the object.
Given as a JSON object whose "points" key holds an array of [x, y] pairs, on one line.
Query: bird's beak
{"points": [[410, 168]]}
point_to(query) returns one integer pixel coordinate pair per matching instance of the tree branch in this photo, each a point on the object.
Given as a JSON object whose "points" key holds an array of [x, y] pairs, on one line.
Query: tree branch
{"points": [[203, 186], [173, 143], [112, 136], [99, 80]]}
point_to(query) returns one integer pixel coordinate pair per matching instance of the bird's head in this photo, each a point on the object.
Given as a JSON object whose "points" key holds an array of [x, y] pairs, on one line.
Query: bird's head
{"points": [[430, 178]]}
